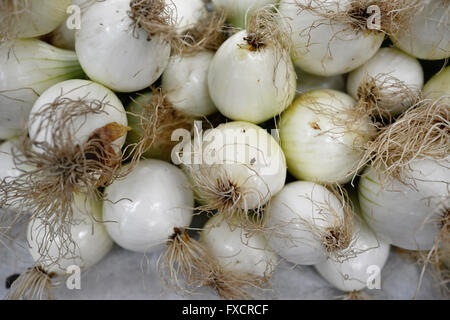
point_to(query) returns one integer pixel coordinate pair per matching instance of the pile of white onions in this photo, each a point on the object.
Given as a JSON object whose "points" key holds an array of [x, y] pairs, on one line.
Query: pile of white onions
{"points": [[291, 125]]}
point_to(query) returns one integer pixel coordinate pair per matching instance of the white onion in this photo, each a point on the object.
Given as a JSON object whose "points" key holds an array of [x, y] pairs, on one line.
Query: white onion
{"points": [[34, 18], [237, 10], [248, 84], [438, 85], [147, 205], [398, 76], [27, 69], [242, 158], [236, 252], [110, 53], [81, 127], [298, 217], [425, 35], [309, 82], [187, 13], [91, 242], [186, 82], [356, 272], [64, 37], [321, 138], [327, 48], [407, 215]]}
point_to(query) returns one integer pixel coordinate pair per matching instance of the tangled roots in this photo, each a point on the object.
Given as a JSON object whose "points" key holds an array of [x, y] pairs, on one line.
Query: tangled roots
{"points": [[422, 132], [156, 120], [377, 94], [51, 173], [188, 260], [358, 16], [213, 185], [207, 34], [11, 13], [34, 284]]}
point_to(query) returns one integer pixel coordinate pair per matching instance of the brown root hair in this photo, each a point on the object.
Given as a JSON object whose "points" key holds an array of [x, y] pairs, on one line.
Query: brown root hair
{"points": [[51, 173], [373, 98], [392, 14], [34, 284], [187, 259], [422, 132], [10, 12], [156, 119], [222, 195]]}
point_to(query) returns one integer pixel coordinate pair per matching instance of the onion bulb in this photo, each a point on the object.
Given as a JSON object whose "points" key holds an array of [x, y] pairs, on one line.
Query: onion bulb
{"points": [[76, 131], [241, 167], [143, 212], [8, 168], [90, 244], [251, 77], [356, 272], [407, 212], [244, 260], [238, 10], [30, 18], [27, 69], [438, 85], [186, 83], [323, 136], [425, 35], [114, 53], [390, 82], [64, 37], [404, 191], [306, 222], [323, 31]]}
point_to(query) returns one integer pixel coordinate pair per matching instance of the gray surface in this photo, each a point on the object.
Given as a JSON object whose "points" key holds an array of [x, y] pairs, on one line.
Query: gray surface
{"points": [[127, 275]]}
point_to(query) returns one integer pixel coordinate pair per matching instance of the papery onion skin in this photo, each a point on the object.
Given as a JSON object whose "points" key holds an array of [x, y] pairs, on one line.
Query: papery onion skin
{"points": [[235, 252], [425, 35], [27, 68], [236, 10], [90, 238], [250, 85], [112, 54], [318, 147], [186, 82], [147, 205], [353, 274], [406, 216], [323, 48], [39, 17], [294, 213]]}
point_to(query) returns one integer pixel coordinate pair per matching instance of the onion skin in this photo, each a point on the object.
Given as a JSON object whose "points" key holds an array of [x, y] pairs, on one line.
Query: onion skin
{"points": [[186, 82], [319, 51], [250, 85], [236, 10], [426, 34], [235, 252], [352, 274], [438, 85], [291, 214], [145, 221], [90, 237], [406, 216], [34, 67], [112, 55], [313, 152], [39, 18]]}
